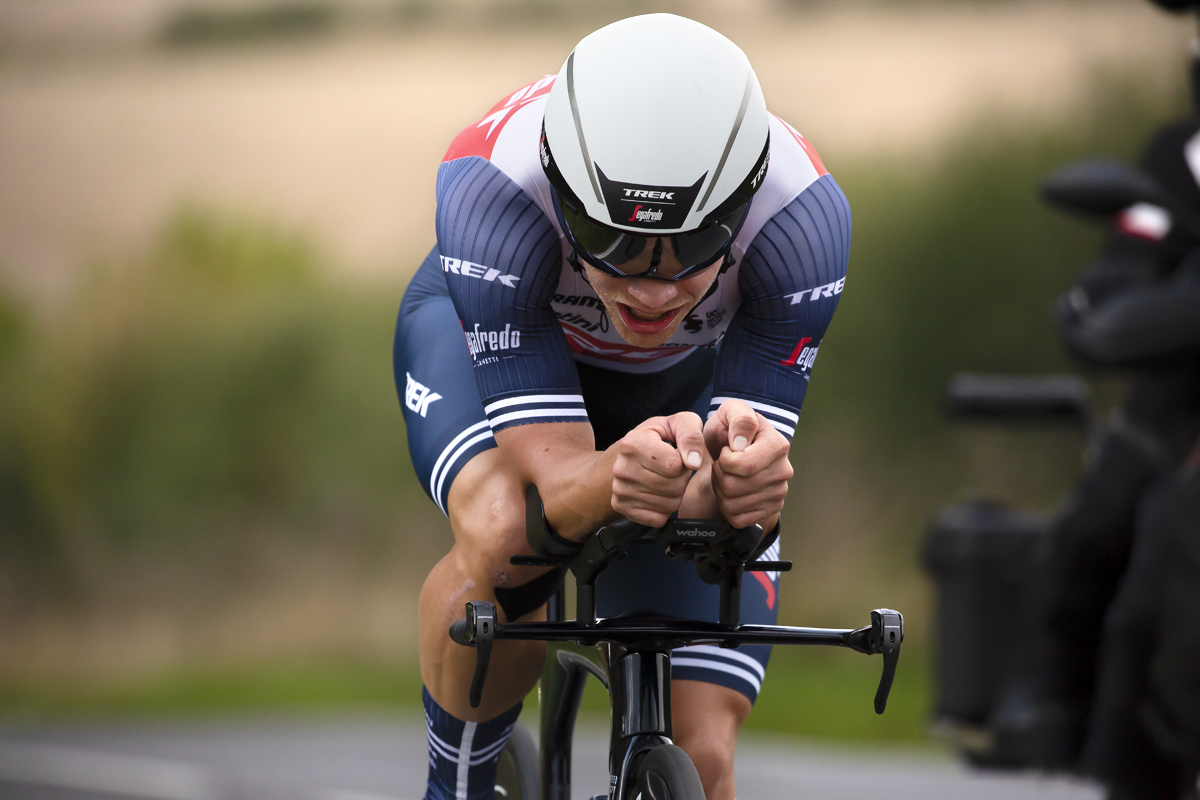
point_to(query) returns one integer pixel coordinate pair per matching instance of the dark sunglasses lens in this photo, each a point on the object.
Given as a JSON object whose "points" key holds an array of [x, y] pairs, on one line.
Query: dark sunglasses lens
{"points": [[600, 242], [705, 244]]}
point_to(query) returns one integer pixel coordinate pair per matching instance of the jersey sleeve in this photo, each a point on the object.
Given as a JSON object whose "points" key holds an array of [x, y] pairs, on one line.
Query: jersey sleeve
{"points": [[790, 279], [502, 258]]}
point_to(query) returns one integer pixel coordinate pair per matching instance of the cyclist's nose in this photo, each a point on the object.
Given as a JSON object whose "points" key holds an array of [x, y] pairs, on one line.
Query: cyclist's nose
{"points": [[652, 293]]}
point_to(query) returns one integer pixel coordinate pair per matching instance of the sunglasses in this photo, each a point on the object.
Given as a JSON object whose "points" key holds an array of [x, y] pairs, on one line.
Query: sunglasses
{"points": [[611, 251]]}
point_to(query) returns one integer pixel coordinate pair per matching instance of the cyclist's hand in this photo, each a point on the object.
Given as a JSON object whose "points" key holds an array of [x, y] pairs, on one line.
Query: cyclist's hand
{"points": [[750, 470], [654, 465]]}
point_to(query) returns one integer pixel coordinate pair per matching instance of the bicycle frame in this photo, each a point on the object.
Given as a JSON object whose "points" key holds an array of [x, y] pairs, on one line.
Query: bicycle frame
{"points": [[637, 650]]}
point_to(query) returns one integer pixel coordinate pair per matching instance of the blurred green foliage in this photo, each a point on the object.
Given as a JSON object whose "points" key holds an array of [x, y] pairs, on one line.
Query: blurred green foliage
{"points": [[214, 389], [206, 24]]}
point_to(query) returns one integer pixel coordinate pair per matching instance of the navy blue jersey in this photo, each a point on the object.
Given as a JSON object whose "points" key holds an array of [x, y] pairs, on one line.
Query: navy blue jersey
{"points": [[528, 316]]}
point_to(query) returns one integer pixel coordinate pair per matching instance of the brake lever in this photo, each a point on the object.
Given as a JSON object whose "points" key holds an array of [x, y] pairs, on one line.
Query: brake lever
{"points": [[477, 630], [887, 634]]}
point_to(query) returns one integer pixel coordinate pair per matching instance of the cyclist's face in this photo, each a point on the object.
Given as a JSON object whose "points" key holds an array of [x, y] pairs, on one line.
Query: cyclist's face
{"points": [[645, 311]]}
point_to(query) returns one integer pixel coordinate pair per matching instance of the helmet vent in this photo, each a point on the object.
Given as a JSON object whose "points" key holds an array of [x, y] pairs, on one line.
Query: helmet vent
{"points": [[587, 160], [737, 125]]}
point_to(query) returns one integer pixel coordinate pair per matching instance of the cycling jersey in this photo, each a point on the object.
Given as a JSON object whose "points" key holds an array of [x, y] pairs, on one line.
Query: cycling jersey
{"points": [[528, 315]]}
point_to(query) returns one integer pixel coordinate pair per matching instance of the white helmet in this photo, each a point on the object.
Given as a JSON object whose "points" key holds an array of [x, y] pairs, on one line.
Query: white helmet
{"points": [[655, 127]]}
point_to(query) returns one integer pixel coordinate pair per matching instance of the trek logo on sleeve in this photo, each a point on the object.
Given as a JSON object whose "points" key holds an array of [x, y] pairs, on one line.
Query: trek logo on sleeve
{"points": [[828, 290], [472, 270], [417, 396], [802, 356]]}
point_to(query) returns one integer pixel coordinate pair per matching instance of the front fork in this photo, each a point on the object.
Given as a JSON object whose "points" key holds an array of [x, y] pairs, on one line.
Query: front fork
{"points": [[639, 685]]}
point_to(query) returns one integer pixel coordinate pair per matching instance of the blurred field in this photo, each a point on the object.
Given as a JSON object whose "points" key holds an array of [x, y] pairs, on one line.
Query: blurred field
{"points": [[340, 132], [205, 497]]}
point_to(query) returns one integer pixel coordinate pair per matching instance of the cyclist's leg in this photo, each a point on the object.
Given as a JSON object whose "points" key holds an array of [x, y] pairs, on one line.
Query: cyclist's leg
{"points": [[487, 516], [707, 719], [457, 462]]}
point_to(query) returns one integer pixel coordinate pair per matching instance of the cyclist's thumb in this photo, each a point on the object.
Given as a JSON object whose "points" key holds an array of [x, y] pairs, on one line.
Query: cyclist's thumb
{"points": [[688, 432], [743, 424]]}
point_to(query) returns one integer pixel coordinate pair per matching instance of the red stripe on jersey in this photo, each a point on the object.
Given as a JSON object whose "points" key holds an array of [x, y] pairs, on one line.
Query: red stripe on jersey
{"points": [[766, 584], [479, 138], [587, 345], [809, 150]]}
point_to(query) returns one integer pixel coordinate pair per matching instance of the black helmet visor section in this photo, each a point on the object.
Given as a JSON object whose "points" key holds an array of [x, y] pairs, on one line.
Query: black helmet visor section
{"points": [[610, 250]]}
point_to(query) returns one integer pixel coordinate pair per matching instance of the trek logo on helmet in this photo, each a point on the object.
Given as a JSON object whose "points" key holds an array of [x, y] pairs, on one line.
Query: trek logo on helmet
{"points": [[625, 201], [649, 195]]}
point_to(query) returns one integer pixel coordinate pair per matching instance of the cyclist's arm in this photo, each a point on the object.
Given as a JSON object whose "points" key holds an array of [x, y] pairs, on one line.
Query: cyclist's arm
{"points": [[642, 476], [503, 259], [790, 279]]}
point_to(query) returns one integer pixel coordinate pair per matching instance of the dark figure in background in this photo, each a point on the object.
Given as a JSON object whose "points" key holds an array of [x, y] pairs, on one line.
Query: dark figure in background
{"points": [[1080, 692]]}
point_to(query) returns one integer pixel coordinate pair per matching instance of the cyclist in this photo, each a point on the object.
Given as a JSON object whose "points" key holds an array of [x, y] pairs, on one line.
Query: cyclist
{"points": [[622, 250]]}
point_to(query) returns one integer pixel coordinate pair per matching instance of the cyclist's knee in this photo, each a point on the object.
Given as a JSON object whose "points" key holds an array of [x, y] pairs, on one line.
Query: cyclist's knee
{"points": [[712, 752], [487, 515]]}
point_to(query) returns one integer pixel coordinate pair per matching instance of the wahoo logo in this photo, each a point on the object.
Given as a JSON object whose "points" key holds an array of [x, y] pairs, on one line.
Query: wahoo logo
{"points": [[696, 533], [649, 215], [648, 194], [417, 396], [828, 290], [473, 270]]}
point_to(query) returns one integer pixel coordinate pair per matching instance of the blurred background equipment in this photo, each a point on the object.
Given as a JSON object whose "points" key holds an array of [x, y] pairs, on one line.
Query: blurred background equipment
{"points": [[1085, 618], [209, 210]]}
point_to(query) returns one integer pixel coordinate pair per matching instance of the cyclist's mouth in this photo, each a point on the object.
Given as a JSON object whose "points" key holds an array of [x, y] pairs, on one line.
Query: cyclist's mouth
{"points": [[643, 322]]}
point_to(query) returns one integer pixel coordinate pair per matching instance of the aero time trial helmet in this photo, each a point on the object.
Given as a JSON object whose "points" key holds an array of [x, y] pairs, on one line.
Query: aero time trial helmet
{"points": [[655, 127]]}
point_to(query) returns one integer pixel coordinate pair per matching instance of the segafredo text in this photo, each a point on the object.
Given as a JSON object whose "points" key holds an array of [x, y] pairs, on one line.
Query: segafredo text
{"points": [[483, 341]]}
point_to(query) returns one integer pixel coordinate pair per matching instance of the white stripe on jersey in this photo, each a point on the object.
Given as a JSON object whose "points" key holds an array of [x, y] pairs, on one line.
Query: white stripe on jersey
{"points": [[549, 413], [437, 495], [531, 399], [720, 666], [767, 410], [437, 465], [722, 653]]}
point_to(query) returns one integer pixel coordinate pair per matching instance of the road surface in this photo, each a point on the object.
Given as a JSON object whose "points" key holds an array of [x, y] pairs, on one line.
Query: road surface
{"points": [[383, 758]]}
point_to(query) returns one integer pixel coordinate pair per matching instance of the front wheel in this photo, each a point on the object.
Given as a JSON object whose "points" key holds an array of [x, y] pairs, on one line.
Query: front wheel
{"points": [[517, 771], [666, 773]]}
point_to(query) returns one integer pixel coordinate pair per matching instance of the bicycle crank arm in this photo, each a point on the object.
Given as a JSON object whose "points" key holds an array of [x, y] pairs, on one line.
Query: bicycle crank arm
{"points": [[477, 630]]}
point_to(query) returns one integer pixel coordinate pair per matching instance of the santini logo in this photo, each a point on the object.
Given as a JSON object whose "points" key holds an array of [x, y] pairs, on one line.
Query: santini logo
{"points": [[647, 194], [648, 215], [482, 341], [472, 270]]}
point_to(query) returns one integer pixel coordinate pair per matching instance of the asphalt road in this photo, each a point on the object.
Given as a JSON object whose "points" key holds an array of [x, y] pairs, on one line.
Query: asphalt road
{"points": [[378, 758]]}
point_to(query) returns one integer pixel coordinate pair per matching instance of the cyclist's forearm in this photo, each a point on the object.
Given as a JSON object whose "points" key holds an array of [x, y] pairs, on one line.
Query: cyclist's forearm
{"points": [[574, 480]]}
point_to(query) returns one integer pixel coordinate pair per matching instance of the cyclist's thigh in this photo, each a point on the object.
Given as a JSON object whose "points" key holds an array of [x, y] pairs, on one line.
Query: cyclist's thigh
{"points": [[647, 582], [443, 415]]}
